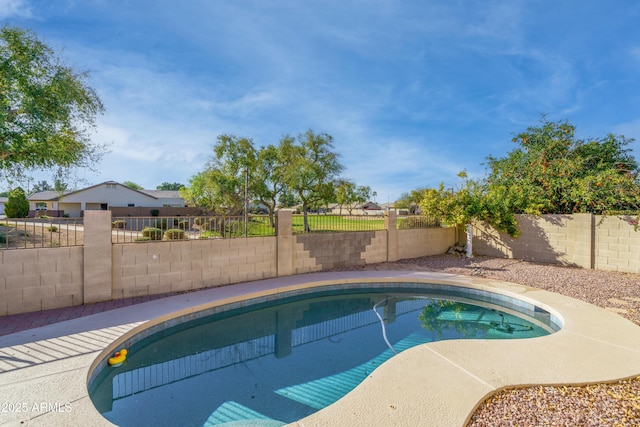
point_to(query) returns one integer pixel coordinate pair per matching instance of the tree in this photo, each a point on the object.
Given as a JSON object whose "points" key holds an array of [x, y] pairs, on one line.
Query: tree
{"points": [[350, 195], [17, 205], [133, 185], [410, 201], [268, 178], [46, 109], [472, 201], [553, 172], [200, 192], [167, 186], [42, 186], [312, 166], [228, 179]]}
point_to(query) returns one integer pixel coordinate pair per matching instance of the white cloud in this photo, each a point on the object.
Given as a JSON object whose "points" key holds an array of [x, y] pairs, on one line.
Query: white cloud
{"points": [[15, 8]]}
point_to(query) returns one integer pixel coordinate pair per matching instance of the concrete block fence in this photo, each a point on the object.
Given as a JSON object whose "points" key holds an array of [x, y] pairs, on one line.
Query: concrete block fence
{"points": [[581, 240], [46, 278]]}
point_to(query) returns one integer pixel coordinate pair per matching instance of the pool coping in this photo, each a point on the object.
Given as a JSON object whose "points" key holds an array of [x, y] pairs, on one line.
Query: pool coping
{"points": [[439, 383]]}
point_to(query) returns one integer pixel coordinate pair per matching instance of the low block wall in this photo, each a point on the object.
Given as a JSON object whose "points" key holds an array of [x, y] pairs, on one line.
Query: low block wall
{"points": [[617, 245], [162, 267], [580, 240], [316, 252], [40, 279], [424, 242]]}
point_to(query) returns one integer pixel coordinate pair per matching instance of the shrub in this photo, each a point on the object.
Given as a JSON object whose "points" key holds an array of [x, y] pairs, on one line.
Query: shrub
{"points": [[174, 234], [44, 217], [118, 224], [141, 239], [155, 212], [5, 238], [202, 224], [65, 215], [17, 205], [161, 223], [417, 221], [152, 233], [52, 228], [184, 224]]}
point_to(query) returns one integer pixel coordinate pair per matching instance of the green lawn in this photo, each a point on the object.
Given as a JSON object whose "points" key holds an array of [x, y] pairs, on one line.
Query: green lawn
{"points": [[337, 223]]}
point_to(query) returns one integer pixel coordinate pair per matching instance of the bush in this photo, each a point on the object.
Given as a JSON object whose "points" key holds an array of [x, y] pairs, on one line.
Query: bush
{"points": [[119, 224], [5, 238], [174, 234], [184, 224], [52, 229], [152, 233], [161, 223], [202, 224], [155, 212], [17, 205], [417, 221]]}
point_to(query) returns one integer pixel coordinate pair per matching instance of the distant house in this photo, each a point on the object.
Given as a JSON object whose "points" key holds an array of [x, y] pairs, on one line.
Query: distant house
{"points": [[100, 197], [370, 206]]}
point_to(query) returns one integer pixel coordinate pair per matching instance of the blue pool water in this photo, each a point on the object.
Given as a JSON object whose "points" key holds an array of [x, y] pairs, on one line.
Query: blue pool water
{"points": [[273, 363]]}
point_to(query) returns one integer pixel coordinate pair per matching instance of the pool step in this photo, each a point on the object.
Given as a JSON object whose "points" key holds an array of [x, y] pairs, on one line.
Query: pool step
{"points": [[325, 391], [232, 413]]}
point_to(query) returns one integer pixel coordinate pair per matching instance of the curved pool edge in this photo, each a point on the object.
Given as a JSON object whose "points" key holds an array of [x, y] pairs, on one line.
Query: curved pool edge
{"points": [[141, 331], [438, 383]]}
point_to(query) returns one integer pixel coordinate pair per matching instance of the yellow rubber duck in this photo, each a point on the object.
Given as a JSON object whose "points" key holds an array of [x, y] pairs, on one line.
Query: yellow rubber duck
{"points": [[118, 358]]}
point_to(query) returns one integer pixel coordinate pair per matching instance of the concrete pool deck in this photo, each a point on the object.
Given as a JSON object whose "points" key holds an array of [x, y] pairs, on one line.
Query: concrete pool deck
{"points": [[43, 371]]}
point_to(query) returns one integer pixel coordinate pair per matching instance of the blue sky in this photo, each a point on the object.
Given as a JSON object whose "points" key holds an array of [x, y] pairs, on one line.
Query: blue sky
{"points": [[412, 91]]}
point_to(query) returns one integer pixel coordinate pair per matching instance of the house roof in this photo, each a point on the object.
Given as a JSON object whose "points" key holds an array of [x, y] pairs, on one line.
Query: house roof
{"points": [[55, 196], [162, 194], [45, 195]]}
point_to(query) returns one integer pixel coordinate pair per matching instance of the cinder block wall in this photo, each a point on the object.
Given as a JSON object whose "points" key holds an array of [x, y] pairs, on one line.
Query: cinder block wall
{"points": [[162, 267], [581, 240], [617, 245], [559, 239], [424, 242], [315, 252], [40, 279]]}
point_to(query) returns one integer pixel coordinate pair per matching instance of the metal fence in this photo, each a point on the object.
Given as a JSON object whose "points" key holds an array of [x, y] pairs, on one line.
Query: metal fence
{"points": [[416, 221], [143, 229], [323, 223], [29, 233]]}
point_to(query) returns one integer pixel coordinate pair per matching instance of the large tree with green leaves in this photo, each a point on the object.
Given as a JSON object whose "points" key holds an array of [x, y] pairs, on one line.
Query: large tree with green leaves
{"points": [[46, 108], [268, 177], [312, 166], [552, 171], [472, 201], [227, 179], [349, 195], [170, 186]]}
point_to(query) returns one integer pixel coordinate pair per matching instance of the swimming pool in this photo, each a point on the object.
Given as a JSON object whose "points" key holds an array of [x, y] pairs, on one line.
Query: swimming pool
{"points": [[270, 362]]}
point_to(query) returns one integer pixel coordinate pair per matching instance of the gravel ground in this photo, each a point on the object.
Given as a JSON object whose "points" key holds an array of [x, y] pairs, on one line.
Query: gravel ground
{"points": [[615, 404]]}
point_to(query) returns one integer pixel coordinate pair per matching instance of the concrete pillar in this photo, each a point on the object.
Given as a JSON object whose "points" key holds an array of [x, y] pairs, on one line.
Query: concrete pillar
{"points": [[97, 256], [390, 221], [284, 244]]}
